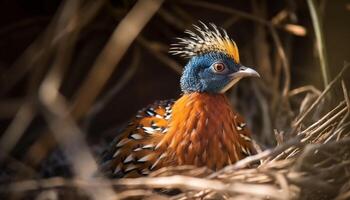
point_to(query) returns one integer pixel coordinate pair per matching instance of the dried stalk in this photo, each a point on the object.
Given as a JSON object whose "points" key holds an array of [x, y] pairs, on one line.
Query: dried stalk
{"points": [[321, 48]]}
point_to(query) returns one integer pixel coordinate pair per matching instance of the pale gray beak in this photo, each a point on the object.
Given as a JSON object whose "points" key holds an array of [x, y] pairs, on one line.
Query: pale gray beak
{"points": [[241, 73], [245, 72]]}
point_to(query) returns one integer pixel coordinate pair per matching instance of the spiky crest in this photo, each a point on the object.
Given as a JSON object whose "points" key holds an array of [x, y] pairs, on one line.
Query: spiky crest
{"points": [[205, 39]]}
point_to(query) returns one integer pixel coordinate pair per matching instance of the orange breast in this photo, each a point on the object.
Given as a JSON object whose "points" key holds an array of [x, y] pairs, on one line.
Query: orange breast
{"points": [[204, 131]]}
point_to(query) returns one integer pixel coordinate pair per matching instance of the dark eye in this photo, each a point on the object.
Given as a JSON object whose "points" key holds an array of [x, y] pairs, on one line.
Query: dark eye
{"points": [[219, 67]]}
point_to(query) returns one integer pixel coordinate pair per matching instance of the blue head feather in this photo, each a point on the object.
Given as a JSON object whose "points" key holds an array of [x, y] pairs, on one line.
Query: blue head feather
{"points": [[199, 75]]}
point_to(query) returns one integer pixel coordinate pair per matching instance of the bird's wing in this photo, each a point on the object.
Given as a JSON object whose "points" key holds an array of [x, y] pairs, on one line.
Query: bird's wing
{"points": [[132, 154], [247, 146]]}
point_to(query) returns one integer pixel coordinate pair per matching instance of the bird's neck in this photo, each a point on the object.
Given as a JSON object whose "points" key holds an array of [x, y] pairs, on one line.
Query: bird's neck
{"points": [[201, 131]]}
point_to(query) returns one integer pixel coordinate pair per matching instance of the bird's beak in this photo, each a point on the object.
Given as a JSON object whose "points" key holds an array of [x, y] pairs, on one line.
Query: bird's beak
{"points": [[244, 72], [241, 73]]}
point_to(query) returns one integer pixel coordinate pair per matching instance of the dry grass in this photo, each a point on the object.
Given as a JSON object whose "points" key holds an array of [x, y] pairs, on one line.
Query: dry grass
{"points": [[312, 156]]}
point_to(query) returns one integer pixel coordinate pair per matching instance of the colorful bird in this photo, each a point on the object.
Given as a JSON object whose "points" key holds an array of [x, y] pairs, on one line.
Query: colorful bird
{"points": [[200, 128]]}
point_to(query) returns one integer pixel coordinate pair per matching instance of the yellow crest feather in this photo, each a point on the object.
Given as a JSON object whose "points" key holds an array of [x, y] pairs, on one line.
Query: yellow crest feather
{"points": [[206, 39]]}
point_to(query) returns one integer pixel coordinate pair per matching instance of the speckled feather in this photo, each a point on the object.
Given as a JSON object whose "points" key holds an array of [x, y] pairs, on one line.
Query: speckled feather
{"points": [[133, 153], [198, 129]]}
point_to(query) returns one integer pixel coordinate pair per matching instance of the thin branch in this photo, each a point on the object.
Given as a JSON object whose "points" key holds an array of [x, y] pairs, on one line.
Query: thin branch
{"points": [[329, 86], [303, 89], [69, 137], [107, 61], [285, 62], [18, 126], [320, 41], [229, 10], [157, 182], [152, 47], [265, 154], [106, 98]]}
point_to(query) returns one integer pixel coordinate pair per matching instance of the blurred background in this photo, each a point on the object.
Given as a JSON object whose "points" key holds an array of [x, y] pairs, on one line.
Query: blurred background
{"points": [[93, 64]]}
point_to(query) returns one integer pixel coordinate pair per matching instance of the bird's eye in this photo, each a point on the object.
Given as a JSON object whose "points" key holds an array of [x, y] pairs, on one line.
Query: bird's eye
{"points": [[219, 67]]}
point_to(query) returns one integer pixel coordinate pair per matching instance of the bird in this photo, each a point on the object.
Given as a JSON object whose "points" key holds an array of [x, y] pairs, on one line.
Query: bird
{"points": [[200, 128]]}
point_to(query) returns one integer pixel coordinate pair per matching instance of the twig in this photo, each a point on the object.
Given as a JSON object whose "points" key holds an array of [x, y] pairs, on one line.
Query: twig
{"points": [[264, 112], [321, 48], [55, 109], [106, 62], [102, 68], [325, 117], [172, 64], [158, 182], [9, 107], [341, 123], [23, 169], [326, 124], [69, 137], [329, 86], [172, 19], [285, 62], [59, 42], [16, 129], [225, 9], [105, 99], [139, 193], [307, 88], [38, 53], [265, 154]]}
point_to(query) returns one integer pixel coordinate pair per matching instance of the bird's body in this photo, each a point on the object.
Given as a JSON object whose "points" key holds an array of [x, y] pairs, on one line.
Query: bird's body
{"points": [[200, 128]]}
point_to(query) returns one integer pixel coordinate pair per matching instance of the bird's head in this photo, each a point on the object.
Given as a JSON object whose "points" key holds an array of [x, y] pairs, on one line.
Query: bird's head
{"points": [[214, 65]]}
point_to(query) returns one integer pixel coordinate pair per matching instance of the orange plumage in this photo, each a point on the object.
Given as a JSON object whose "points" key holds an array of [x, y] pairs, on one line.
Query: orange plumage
{"points": [[205, 132], [202, 130]]}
